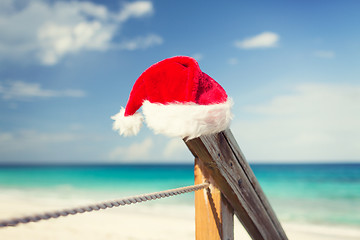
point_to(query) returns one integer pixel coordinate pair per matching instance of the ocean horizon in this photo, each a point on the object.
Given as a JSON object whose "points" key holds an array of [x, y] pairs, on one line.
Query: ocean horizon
{"points": [[315, 193]]}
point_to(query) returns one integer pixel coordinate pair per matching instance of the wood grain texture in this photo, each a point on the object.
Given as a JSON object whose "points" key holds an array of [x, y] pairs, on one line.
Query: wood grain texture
{"points": [[228, 169], [214, 217]]}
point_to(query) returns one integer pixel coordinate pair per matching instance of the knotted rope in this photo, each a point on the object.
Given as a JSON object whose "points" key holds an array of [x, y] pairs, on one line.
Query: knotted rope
{"points": [[103, 205]]}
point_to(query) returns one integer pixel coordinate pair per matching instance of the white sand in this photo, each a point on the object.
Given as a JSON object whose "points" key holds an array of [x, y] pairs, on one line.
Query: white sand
{"points": [[140, 221]]}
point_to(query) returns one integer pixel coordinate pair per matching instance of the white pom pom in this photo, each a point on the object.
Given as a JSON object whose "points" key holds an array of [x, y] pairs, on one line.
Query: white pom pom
{"points": [[129, 125]]}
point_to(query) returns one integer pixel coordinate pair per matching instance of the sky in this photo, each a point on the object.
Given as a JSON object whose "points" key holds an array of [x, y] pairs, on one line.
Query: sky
{"points": [[291, 67]]}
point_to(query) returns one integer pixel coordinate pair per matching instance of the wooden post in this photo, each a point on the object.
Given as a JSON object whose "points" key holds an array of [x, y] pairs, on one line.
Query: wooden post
{"points": [[214, 217], [229, 171]]}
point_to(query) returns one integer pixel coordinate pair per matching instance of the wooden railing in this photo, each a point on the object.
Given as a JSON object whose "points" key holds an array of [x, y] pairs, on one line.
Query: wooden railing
{"points": [[234, 189]]}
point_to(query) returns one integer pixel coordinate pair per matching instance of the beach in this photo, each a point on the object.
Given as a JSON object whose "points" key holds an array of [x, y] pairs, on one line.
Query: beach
{"points": [[312, 211], [135, 222]]}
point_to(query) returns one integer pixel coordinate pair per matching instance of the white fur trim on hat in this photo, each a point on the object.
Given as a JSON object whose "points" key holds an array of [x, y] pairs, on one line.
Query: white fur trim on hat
{"points": [[187, 120], [129, 125]]}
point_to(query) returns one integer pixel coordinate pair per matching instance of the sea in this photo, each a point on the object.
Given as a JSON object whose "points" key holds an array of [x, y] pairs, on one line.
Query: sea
{"points": [[326, 194]]}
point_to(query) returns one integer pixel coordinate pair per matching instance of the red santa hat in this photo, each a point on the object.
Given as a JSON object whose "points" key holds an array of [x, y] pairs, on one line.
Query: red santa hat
{"points": [[177, 99]]}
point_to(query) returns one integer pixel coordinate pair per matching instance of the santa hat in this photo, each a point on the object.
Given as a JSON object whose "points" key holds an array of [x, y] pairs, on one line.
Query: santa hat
{"points": [[177, 99]]}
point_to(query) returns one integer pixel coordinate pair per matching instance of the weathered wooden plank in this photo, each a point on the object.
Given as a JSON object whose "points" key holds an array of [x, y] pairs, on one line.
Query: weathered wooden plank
{"points": [[228, 169], [214, 217], [248, 171]]}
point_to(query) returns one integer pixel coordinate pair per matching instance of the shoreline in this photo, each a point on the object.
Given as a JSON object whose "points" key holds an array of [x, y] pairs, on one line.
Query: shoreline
{"points": [[137, 221]]}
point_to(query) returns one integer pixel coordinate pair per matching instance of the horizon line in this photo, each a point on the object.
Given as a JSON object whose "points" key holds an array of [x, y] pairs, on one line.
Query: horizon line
{"points": [[80, 164]]}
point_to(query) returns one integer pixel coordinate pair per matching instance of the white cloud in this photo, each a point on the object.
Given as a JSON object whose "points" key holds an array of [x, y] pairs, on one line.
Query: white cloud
{"points": [[318, 122], [263, 40], [19, 90], [29, 140], [176, 150], [5, 137], [59, 40], [54, 30], [142, 42], [324, 54], [38, 146], [136, 10], [136, 151], [159, 149]]}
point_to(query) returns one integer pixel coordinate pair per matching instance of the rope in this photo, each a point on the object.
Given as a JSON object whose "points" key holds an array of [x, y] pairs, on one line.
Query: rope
{"points": [[103, 205]]}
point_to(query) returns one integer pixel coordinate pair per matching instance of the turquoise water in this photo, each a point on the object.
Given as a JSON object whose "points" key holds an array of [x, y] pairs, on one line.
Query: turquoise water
{"points": [[319, 193], [312, 193]]}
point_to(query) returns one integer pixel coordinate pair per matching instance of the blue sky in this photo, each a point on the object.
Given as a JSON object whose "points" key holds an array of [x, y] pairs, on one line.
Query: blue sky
{"points": [[292, 69]]}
